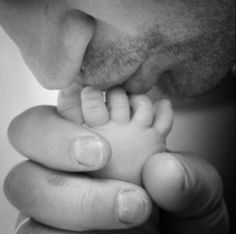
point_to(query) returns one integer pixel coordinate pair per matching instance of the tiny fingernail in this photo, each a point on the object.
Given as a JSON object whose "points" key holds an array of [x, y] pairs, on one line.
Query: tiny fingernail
{"points": [[131, 208], [89, 151]]}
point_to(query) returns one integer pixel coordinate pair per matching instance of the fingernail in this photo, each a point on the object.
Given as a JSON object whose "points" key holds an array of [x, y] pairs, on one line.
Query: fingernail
{"points": [[89, 151], [131, 207]]}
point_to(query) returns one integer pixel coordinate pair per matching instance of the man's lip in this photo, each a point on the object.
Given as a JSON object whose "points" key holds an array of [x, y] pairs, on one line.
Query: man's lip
{"points": [[138, 80], [136, 86], [103, 85], [130, 85]]}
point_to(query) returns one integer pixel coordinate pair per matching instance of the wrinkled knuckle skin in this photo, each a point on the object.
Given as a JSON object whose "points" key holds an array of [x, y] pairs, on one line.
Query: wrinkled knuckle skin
{"points": [[89, 202]]}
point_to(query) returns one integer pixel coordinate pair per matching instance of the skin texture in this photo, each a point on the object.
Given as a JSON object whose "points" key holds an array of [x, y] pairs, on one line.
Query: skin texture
{"points": [[185, 48], [131, 124]]}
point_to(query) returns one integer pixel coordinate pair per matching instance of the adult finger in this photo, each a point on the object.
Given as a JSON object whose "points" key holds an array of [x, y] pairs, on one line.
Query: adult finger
{"points": [[75, 202], [33, 226], [190, 189], [42, 135]]}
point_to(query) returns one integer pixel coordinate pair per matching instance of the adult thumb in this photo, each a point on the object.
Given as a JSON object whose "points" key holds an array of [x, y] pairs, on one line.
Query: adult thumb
{"points": [[190, 192]]}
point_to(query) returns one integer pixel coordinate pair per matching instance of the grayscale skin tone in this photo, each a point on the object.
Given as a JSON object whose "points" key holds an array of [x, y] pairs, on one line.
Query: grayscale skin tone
{"points": [[134, 127], [183, 48]]}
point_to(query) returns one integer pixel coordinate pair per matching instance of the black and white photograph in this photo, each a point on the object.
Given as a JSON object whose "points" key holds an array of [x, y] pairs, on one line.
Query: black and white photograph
{"points": [[117, 116]]}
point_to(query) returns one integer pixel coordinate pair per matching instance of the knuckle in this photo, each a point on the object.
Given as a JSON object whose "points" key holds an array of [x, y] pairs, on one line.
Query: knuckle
{"points": [[89, 201], [91, 205]]}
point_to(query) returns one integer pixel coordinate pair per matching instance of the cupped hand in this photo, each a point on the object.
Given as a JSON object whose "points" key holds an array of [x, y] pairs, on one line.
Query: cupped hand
{"points": [[188, 189], [68, 200]]}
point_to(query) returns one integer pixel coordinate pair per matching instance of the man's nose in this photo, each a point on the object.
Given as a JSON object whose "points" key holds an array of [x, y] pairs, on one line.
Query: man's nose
{"points": [[67, 36], [52, 36]]}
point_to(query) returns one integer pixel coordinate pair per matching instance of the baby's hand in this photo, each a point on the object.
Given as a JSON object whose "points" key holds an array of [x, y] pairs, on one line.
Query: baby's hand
{"points": [[134, 127]]}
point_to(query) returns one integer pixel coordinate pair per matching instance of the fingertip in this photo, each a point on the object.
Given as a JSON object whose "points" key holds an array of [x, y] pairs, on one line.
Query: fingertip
{"points": [[90, 152], [131, 208], [107, 152], [85, 203], [164, 178], [43, 136], [183, 184], [188, 188]]}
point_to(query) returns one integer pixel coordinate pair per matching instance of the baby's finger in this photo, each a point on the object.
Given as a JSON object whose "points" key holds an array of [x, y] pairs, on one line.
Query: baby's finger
{"points": [[42, 135]]}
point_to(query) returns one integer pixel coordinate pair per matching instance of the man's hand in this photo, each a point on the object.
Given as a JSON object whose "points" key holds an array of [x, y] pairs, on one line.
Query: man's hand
{"points": [[187, 188], [190, 193], [68, 200], [33, 226]]}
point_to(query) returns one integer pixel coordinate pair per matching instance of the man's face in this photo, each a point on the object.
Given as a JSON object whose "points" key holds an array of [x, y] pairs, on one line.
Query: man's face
{"points": [[184, 47]]}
